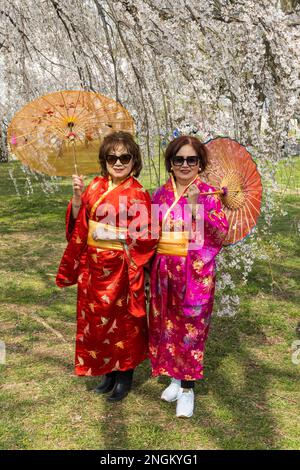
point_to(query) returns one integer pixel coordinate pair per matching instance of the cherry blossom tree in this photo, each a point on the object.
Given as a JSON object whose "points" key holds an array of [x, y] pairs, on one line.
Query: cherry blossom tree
{"points": [[223, 67]]}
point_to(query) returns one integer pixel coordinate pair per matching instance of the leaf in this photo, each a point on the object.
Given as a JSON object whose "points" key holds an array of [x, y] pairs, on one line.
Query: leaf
{"points": [[80, 360], [94, 258], [86, 329], [107, 272], [105, 298], [93, 354], [92, 307], [113, 327]]}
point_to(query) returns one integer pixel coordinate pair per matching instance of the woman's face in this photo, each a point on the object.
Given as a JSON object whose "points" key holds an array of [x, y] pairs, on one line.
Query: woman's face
{"points": [[184, 173], [116, 169]]}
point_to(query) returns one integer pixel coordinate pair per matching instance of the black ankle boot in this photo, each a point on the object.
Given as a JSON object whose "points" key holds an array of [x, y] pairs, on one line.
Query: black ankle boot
{"points": [[107, 384], [122, 386]]}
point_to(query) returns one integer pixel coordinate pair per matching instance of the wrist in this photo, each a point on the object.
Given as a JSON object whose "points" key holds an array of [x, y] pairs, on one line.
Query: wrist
{"points": [[76, 202]]}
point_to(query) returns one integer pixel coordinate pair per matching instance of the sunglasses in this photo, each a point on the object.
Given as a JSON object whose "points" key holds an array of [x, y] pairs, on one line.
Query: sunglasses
{"points": [[191, 161], [124, 159]]}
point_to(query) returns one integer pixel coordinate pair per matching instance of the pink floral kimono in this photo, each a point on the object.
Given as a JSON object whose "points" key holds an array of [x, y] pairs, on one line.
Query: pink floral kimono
{"points": [[183, 279]]}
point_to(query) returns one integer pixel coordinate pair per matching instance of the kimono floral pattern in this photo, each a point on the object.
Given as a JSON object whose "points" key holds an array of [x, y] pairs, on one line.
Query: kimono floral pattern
{"points": [[182, 290]]}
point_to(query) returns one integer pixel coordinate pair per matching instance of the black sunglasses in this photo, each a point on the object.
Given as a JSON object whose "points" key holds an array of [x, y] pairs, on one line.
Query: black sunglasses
{"points": [[191, 161], [124, 159]]}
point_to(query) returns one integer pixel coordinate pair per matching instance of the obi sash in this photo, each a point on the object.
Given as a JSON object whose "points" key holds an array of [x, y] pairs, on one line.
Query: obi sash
{"points": [[173, 243], [111, 236]]}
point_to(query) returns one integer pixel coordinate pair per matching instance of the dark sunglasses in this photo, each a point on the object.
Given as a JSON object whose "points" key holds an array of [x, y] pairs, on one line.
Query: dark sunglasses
{"points": [[191, 161], [124, 159]]}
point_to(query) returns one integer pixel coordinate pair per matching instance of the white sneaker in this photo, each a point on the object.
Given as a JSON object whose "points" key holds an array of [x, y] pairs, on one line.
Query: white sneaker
{"points": [[185, 404], [171, 392]]}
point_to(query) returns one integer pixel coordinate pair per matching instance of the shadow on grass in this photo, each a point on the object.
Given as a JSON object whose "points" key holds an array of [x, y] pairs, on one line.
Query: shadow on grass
{"points": [[115, 424], [262, 280], [248, 422], [251, 424]]}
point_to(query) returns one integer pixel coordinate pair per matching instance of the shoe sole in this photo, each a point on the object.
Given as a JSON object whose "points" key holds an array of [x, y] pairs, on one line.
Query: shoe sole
{"points": [[184, 416], [115, 400], [108, 390], [168, 401]]}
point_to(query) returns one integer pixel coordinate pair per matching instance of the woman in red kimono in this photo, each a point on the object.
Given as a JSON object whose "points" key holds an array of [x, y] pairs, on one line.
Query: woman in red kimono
{"points": [[108, 245]]}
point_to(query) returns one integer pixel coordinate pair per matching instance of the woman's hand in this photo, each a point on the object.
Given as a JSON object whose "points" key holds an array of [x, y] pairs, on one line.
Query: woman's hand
{"points": [[78, 186], [193, 194]]}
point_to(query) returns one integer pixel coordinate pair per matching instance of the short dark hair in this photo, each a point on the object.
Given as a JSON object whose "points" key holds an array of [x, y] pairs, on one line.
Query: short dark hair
{"points": [[111, 141], [179, 142]]}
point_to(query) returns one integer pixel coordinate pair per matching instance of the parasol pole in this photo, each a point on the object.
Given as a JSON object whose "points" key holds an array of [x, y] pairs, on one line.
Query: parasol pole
{"points": [[75, 157], [224, 191], [72, 137]]}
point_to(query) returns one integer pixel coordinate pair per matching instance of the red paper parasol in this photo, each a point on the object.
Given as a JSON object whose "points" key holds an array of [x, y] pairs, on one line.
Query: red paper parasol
{"points": [[233, 172]]}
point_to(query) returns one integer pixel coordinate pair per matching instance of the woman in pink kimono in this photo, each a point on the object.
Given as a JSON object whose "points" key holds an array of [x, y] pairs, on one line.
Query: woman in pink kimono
{"points": [[192, 229]]}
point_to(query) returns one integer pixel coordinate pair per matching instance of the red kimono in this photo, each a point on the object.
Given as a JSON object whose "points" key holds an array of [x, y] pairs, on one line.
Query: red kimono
{"points": [[111, 315]]}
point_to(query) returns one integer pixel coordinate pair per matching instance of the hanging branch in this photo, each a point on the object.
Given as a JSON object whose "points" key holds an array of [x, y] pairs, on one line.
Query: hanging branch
{"points": [[140, 83], [107, 35], [73, 40]]}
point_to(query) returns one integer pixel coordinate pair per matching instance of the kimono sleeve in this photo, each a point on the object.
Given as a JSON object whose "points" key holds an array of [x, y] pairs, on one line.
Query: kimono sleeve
{"points": [[140, 246], [142, 236], [70, 221], [200, 263], [215, 229], [68, 270]]}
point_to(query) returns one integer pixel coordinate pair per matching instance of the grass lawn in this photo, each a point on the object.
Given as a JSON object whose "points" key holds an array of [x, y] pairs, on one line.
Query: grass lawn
{"points": [[249, 398]]}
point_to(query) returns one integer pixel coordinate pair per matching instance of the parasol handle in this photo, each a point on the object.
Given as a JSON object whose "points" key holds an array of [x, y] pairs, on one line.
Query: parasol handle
{"points": [[223, 191], [75, 158]]}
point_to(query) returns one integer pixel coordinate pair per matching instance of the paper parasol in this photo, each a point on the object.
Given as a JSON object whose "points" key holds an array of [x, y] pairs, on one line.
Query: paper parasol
{"points": [[233, 172], [60, 133]]}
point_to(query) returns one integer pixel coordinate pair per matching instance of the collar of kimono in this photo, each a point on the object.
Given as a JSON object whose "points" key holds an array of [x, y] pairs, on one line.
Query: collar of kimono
{"points": [[177, 197], [109, 189]]}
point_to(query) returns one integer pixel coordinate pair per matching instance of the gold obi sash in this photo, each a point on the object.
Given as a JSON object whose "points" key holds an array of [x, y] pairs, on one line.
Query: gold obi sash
{"points": [[173, 243], [114, 234]]}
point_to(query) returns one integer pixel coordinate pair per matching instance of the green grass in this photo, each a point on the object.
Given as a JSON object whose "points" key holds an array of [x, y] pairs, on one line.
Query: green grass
{"points": [[288, 174], [249, 398]]}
